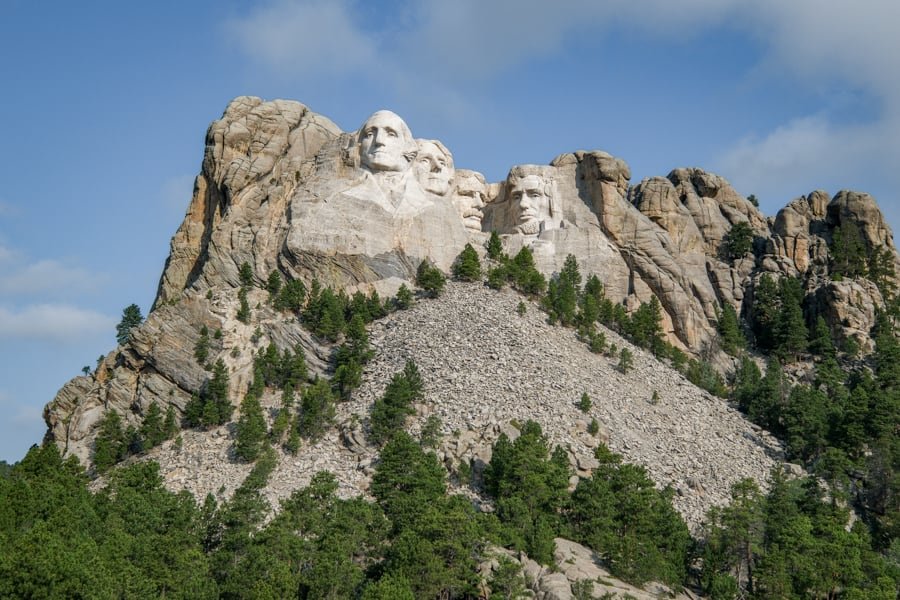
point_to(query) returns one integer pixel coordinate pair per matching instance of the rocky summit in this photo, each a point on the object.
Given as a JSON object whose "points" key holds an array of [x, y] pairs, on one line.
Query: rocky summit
{"points": [[285, 197]]}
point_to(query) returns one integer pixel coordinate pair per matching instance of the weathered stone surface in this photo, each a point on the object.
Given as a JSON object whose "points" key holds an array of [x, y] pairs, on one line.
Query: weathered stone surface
{"points": [[283, 189], [851, 305], [253, 160], [576, 563]]}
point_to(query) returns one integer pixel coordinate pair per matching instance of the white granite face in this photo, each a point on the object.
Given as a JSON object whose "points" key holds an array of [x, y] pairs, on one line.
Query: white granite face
{"points": [[469, 198], [385, 143], [533, 202], [434, 167]]}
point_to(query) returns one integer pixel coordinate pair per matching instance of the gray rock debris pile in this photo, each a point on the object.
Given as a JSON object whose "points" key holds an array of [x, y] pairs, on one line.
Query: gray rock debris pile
{"points": [[485, 367]]}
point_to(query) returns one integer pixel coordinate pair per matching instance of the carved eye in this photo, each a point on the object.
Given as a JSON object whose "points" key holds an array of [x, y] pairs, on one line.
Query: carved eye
{"points": [[391, 132], [368, 133]]}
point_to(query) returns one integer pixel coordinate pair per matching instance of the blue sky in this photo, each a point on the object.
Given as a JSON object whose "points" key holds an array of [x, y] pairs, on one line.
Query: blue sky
{"points": [[106, 105]]}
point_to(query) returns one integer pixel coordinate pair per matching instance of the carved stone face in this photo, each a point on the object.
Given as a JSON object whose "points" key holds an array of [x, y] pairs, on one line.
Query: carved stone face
{"points": [[434, 168], [529, 196], [469, 200], [384, 142]]}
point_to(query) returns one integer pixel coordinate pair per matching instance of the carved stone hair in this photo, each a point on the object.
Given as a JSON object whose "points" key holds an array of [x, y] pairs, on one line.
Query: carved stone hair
{"points": [[440, 146]]}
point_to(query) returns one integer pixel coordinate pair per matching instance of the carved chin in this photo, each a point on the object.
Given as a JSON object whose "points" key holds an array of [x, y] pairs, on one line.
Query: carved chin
{"points": [[384, 162], [530, 227], [437, 187], [473, 222]]}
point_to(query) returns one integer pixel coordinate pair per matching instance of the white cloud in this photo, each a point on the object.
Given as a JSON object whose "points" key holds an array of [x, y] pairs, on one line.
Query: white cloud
{"points": [[841, 45], [46, 276], [472, 39], [809, 149], [301, 38], [436, 51], [58, 322]]}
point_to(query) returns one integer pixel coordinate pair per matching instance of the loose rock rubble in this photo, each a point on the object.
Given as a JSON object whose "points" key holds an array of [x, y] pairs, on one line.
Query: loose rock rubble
{"points": [[485, 370]]}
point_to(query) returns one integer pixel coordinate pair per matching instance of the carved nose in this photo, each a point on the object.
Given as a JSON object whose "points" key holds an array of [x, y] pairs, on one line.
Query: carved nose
{"points": [[436, 168]]}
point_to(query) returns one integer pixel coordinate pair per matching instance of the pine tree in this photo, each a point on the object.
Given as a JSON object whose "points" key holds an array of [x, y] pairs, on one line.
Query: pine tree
{"points": [[563, 293], [467, 266], [584, 405], [293, 367], [245, 274], [273, 284], [738, 241], [626, 360], [404, 297], [250, 430], [848, 251], [524, 275], [291, 297], [110, 445], [729, 328], [243, 313], [407, 480], [790, 326], [217, 407], [152, 429], [170, 426], [821, 343], [316, 410], [494, 246], [390, 411], [201, 348], [765, 311], [131, 318], [430, 279]]}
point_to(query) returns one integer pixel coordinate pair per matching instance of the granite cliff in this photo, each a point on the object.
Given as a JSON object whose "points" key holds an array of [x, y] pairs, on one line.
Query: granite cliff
{"points": [[283, 189]]}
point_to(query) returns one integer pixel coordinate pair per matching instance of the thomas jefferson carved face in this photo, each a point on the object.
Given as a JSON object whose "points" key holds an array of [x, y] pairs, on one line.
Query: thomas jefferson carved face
{"points": [[469, 198], [531, 197], [385, 143], [434, 167]]}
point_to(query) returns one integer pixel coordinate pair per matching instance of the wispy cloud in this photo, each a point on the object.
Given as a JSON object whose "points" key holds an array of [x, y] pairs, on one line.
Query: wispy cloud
{"points": [[443, 50], [302, 38], [59, 322], [803, 150], [45, 277], [849, 45]]}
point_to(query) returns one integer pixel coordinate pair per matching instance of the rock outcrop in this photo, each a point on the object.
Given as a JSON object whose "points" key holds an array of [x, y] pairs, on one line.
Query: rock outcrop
{"points": [[284, 190]]}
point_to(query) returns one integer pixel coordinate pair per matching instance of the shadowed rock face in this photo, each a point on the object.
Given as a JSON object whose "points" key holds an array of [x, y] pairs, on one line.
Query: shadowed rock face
{"points": [[284, 189]]}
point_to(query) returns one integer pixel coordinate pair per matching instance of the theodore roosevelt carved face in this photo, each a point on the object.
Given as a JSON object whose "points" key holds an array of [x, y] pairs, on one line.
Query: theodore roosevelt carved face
{"points": [[385, 143], [434, 167], [469, 198], [533, 202]]}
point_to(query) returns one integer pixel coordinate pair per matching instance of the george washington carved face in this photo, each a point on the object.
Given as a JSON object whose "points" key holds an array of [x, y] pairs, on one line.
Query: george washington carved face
{"points": [[385, 143]]}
